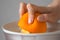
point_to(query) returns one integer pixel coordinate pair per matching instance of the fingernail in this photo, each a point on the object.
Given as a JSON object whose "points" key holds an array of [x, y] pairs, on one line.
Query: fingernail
{"points": [[41, 18], [30, 20]]}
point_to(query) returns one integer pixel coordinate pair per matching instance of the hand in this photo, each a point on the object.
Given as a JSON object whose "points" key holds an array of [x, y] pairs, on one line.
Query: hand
{"points": [[52, 17]]}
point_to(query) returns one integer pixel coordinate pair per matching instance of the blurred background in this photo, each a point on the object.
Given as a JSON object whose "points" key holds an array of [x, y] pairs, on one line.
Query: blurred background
{"points": [[9, 11]]}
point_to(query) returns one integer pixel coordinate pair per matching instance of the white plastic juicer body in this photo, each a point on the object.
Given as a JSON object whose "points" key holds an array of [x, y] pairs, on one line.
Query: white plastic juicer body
{"points": [[12, 32]]}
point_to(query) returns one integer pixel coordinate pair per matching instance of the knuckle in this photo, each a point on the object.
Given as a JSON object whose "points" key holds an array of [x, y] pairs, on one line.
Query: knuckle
{"points": [[29, 5]]}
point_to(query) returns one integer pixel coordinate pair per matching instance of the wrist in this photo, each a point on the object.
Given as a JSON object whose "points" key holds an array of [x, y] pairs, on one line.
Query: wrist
{"points": [[56, 2]]}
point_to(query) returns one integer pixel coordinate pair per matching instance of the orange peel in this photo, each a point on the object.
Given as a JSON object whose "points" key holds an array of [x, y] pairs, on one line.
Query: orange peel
{"points": [[34, 27]]}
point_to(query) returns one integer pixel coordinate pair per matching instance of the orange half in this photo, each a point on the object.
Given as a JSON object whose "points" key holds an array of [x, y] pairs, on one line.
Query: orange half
{"points": [[34, 27]]}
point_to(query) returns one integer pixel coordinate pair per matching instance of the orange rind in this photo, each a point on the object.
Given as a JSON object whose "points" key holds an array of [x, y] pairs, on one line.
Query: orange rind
{"points": [[34, 27]]}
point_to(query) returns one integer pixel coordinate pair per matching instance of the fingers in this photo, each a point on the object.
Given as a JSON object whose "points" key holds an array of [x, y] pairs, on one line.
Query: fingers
{"points": [[41, 9], [22, 9], [46, 11], [32, 9], [42, 18], [30, 13]]}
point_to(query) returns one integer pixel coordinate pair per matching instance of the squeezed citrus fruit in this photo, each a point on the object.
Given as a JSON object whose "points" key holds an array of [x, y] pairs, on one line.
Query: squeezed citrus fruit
{"points": [[34, 27]]}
